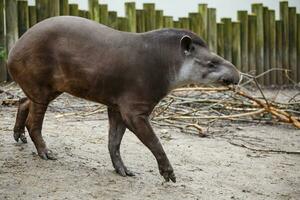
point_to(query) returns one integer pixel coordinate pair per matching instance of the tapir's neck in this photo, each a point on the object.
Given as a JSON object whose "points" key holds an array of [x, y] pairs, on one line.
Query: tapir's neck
{"points": [[185, 74]]}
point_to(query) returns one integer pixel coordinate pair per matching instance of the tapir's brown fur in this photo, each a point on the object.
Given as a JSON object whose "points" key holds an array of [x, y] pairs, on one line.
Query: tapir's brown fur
{"points": [[128, 72]]}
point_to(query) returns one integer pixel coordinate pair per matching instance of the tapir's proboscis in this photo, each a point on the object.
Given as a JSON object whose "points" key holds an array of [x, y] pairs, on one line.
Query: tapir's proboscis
{"points": [[128, 72]]}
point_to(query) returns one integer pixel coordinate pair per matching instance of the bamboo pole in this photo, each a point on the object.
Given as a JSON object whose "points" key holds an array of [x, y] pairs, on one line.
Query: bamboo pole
{"points": [[184, 23], [227, 38], [195, 23], [168, 22], [284, 17], [64, 7], [23, 23], [202, 9], [258, 10], [292, 44], [252, 43], [42, 9], [236, 44], [3, 71], [149, 12], [266, 32], [220, 39], [94, 9], [243, 18], [212, 29], [53, 8], [140, 21], [112, 19], [272, 40], [32, 15], [279, 51], [103, 10], [73, 9], [130, 12], [159, 19]]}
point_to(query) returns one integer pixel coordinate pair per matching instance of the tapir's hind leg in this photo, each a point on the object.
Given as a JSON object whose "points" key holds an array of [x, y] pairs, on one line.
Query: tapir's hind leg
{"points": [[34, 125], [116, 131], [19, 128]]}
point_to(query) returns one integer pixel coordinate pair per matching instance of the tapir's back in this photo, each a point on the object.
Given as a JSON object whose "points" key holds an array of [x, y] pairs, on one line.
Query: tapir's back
{"points": [[81, 57]]}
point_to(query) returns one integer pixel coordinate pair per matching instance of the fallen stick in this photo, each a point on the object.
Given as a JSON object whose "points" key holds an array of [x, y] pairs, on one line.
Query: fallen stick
{"points": [[219, 89], [264, 150], [216, 117]]}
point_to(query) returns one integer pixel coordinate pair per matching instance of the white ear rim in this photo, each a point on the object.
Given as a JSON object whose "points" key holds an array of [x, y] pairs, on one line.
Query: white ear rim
{"points": [[185, 37]]}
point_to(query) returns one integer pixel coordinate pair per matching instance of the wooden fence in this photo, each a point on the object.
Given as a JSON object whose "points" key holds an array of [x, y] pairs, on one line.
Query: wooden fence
{"points": [[256, 43]]}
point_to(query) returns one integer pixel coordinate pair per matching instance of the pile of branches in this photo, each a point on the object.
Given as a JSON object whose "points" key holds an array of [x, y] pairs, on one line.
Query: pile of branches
{"points": [[189, 108]]}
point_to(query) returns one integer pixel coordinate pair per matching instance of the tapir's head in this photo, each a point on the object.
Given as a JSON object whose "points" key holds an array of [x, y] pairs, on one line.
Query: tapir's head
{"points": [[202, 66]]}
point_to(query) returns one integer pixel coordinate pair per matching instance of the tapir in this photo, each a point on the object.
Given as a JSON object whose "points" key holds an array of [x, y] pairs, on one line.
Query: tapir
{"points": [[128, 72]]}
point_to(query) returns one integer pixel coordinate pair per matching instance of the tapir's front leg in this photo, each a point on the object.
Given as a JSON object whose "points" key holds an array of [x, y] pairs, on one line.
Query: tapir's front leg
{"points": [[137, 121]]}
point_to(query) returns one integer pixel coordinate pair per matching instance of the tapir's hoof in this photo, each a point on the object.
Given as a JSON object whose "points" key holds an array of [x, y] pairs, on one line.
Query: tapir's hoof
{"points": [[168, 175], [47, 155], [123, 171], [20, 135]]}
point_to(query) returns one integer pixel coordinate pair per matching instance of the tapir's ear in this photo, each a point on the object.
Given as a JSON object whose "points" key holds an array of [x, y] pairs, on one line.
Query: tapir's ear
{"points": [[186, 45]]}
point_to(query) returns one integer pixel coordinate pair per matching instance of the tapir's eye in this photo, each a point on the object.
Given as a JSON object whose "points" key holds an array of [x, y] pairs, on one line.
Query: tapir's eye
{"points": [[211, 64]]}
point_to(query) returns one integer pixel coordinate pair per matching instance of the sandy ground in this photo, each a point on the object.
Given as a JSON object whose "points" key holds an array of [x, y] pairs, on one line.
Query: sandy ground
{"points": [[206, 168]]}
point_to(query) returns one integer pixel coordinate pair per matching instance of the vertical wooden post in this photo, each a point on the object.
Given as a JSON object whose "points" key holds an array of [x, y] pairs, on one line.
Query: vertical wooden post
{"points": [[73, 9], [168, 22], [212, 29], [220, 39], [63, 7], [279, 52], [103, 10], [112, 19], [292, 44], [32, 15], [258, 10], [266, 25], [94, 9], [202, 9], [243, 18], [149, 11], [11, 23], [176, 24], [252, 43], [236, 44], [53, 8], [140, 21], [23, 23], [123, 24], [195, 23], [298, 48], [227, 38], [272, 40], [42, 9], [131, 15], [87, 14], [159, 19], [81, 13], [284, 17], [184, 23], [3, 71]]}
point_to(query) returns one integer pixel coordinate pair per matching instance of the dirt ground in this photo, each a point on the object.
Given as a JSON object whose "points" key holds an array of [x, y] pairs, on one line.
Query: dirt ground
{"points": [[206, 168]]}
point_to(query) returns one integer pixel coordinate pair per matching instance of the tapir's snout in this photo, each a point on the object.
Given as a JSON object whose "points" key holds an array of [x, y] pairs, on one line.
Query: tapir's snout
{"points": [[231, 75]]}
